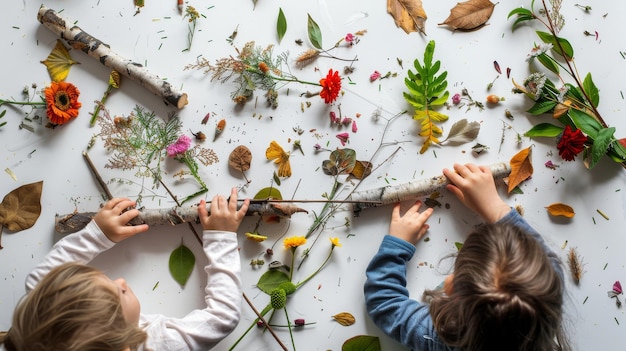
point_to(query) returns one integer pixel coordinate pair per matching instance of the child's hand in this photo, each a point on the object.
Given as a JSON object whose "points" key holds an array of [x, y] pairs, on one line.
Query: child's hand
{"points": [[412, 225], [224, 215], [475, 187], [114, 216]]}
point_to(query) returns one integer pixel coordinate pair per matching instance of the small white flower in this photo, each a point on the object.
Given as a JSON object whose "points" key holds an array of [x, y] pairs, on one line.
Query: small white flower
{"points": [[538, 50]]}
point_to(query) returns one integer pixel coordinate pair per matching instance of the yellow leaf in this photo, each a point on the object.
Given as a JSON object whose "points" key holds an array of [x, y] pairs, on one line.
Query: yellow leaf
{"points": [[559, 209], [408, 15], [344, 318], [276, 153], [256, 237], [561, 108], [59, 62], [470, 14], [115, 79], [521, 168], [361, 169]]}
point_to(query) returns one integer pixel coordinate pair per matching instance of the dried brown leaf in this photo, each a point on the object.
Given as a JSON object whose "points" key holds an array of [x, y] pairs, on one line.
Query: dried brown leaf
{"points": [[21, 208], [344, 318], [361, 169], [240, 158], [408, 14], [521, 168], [559, 209], [469, 15]]}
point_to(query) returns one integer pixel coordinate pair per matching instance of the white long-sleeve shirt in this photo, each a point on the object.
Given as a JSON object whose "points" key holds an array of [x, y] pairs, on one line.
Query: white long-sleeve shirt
{"points": [[201, 329]]}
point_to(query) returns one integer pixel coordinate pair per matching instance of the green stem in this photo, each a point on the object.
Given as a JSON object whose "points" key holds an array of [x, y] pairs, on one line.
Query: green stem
{"points": [[293, 258], [23, 103], [293, 342], [294, 79], [263, 313], [96, 110], [318, 270]]}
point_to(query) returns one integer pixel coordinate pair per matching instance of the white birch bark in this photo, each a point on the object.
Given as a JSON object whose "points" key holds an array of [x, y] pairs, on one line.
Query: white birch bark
{"points": [[81, 40], [73, 222], [412, 190]]}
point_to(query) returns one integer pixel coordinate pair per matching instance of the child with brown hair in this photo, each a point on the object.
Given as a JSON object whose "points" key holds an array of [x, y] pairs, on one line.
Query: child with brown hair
{"points": [[506, 291], [71, 306]]}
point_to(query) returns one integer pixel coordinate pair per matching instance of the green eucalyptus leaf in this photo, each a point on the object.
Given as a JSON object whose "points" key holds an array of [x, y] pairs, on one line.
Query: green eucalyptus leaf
{"points": [[601, 144], [271, 279], [544, 130], [268, 193], [315, 34], [592, 91], [181, 264], [281, 25], [361, 343], [585, 122], [557, 43], [548, 63]]}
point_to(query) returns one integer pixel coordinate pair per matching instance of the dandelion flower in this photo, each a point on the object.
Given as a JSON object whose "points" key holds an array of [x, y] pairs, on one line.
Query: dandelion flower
{"points": [[331, 86], [294, 241], [62, 102], [335, 242]]}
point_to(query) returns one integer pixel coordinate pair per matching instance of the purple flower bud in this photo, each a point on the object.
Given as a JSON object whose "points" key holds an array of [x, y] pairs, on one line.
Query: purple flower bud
{"points": [[299, 322], [456, 98], [333, 117], [260, 324]]}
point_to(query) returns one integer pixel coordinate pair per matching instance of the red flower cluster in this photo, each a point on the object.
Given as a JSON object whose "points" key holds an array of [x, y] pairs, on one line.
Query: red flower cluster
{"points": [[571, 143], [331, 86]]}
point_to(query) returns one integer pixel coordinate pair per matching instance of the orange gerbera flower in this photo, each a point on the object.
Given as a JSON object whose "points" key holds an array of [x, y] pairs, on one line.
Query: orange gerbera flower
{"points": [[331, 86], [294, 241], [62, 102]]}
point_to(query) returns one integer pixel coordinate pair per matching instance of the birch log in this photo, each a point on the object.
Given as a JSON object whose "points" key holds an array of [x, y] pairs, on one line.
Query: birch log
{"points": [[395, 193], [79, 39], [73, 222]]}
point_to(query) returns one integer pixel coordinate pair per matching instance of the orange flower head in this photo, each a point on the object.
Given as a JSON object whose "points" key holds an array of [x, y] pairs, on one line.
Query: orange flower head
{"points": [[62, 102], [294, 241], [331, 86]]}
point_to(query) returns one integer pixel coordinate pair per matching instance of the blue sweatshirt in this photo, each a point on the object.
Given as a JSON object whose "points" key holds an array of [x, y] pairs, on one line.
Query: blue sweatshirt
{"points": [[387, 299]]}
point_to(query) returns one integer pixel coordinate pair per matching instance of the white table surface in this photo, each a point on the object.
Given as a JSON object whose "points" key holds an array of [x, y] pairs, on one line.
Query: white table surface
{"points": [[157, 36]]}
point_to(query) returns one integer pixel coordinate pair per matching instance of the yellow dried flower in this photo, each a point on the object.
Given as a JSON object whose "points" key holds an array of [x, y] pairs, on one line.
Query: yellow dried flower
{"points": [[256, 237], [294, 241], [335, 241]]}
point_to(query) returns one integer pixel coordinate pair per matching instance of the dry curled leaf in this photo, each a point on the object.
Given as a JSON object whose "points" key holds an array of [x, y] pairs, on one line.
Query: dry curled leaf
{"points": [[361, 169], [559, 209], [240, 158], [408, 14], [21, 208], [469, 15], [344, 318], [462, 132], [521, 168]]}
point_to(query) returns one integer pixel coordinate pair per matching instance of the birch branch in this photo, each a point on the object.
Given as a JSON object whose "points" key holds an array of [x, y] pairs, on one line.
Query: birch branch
{"points": [[396, 193], [73, 222], [81, 40]]}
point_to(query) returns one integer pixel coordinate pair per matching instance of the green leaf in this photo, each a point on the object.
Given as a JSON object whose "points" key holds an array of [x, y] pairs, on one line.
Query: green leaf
{"points": [[340, 161], [281, 25], [315, 34], [458, 245], [584, 122], [591, 90], [182, 261], [548, 63], [544, 130], [541, 107], [268, 193], [271, 279], [568, 50], [361, 343], [601, 144]]}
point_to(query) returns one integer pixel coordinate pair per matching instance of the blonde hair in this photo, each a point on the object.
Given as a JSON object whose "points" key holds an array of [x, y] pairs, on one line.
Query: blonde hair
{"points": [[505, 295], [71, 309]]}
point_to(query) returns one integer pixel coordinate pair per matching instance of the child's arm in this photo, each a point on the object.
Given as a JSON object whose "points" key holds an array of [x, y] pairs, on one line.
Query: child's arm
{"points": [[475, 187], [203, 328], [107, 228]]}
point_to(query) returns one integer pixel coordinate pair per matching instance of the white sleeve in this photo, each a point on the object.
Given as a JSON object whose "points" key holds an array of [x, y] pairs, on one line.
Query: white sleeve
{"points": [[82, 247], [203, 329]]}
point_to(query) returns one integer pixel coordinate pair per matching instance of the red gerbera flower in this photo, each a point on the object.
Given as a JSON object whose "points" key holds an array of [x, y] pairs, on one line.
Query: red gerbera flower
{"points": [[62, 102], [571, 143], [331, 86]]}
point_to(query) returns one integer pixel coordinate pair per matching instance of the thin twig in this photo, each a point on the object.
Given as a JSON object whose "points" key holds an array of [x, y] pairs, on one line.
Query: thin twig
{"points": [[267, 325], [96, 174]]}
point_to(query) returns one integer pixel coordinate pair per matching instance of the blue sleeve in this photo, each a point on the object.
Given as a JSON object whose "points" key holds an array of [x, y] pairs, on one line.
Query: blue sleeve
{"points": [[387, 298], [514, 218]]}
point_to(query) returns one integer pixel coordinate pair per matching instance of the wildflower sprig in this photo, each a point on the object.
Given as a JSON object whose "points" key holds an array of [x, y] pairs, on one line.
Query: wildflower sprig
{"points": [[278, 284], [255, 68], [574, 103], [192, 15]]}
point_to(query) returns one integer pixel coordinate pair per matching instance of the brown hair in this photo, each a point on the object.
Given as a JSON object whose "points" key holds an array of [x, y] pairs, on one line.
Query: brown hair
{"points": [[71, 309], [506, 295]]}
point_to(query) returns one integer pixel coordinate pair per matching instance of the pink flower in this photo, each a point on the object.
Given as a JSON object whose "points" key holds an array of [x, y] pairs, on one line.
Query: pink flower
{"points": [[179, 147], [343, 137], [349, 38], [456, 98], [346, 121], [354, 128], [617, 287], [333, 117], [375, 76]]}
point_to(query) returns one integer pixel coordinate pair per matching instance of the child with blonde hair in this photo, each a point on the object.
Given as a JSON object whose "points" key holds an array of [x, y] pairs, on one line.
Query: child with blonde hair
{"points": [[71, 306], [506, 291]]}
